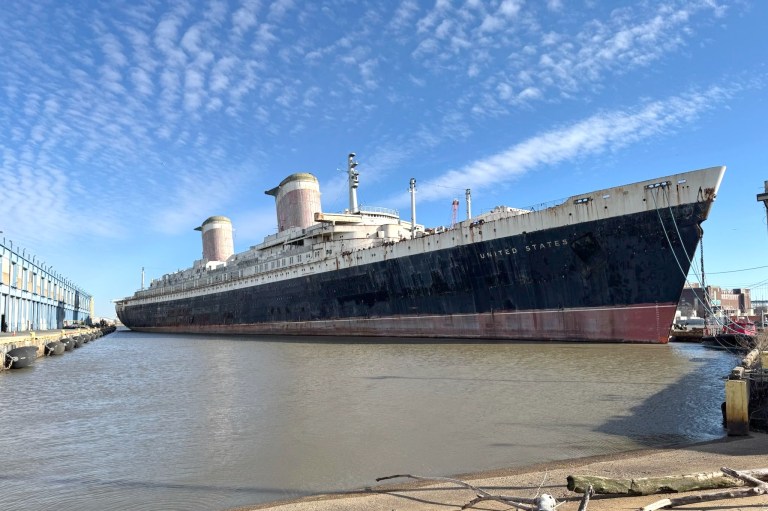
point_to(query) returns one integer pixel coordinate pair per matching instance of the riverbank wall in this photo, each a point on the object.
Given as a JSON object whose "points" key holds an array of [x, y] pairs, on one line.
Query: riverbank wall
{"points": [[9, 341]]}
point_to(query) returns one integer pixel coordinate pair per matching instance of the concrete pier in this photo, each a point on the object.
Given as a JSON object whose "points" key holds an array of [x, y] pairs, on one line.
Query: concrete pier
{"points": [[9, 341]]}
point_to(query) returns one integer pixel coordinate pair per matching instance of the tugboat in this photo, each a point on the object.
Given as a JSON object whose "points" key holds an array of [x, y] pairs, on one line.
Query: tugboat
{"points": [[736, 335]]}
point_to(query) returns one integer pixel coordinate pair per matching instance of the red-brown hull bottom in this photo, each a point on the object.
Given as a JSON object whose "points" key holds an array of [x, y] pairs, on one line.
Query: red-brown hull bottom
{"points": [[648, 323]]}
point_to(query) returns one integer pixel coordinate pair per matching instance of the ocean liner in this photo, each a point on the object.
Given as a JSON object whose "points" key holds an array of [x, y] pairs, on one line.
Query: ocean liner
{"points": [[608, 265]]}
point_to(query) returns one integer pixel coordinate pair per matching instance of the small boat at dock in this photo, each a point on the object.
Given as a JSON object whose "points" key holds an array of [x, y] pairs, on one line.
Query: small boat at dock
{"points": [[731, 342], [20, 357], [739, 335], [689, 330]]}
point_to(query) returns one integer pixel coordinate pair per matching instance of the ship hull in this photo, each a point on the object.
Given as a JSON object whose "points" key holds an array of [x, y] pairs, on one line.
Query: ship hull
{"points": [[641, 323], [616, 280]]}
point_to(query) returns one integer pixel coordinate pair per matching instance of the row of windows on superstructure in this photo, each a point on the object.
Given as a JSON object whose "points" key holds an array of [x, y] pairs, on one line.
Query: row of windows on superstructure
{"points": [[16, 275], [170, 285], [282, 262], [267, 266], [288, 261], [221, 276]]}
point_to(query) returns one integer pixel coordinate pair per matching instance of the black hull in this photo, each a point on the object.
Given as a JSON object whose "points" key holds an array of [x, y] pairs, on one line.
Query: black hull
{"points": [[605, 271], [731, 342]]}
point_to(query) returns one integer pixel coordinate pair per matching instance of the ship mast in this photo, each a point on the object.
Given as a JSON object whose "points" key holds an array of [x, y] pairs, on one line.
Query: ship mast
{"points": [[468, 197], [413, 207], [353, 183]]}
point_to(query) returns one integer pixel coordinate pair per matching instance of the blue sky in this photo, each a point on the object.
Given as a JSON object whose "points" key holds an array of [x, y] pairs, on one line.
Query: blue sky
{"points": [[124, 125]]}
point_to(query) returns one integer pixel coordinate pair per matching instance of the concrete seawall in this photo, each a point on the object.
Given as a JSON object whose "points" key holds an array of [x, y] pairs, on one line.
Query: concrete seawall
{"points": [[9, 341]]}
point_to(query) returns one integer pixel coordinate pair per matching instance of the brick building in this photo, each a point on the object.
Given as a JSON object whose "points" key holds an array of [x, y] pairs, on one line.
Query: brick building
{"points": [[724, 302]]}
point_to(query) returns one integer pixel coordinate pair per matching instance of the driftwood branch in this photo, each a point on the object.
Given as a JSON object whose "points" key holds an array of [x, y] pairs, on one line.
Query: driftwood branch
{"points": [[653, 485], [585, 499], [697, 499], [751, 358], [745, 475], [759, 488], [544, 502]]}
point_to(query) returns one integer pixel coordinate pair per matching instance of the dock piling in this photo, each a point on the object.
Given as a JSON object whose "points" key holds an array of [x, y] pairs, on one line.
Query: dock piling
{"points": [[737, 407]]}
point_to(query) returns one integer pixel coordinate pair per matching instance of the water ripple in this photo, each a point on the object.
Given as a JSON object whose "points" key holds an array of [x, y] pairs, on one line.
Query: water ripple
{"points": [[144, 422]]}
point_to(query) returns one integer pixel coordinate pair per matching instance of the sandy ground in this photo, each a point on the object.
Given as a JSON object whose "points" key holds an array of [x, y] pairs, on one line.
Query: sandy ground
{"points": [[739, 453]]}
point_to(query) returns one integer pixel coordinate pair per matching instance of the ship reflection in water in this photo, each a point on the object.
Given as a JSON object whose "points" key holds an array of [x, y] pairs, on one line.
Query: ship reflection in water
{"points": [[150, 421]]}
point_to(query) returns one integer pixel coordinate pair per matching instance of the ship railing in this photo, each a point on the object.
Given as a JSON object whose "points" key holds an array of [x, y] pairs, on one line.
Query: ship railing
{"points": [[545, 205], [377, 210], [215, 278], [525, 209]]}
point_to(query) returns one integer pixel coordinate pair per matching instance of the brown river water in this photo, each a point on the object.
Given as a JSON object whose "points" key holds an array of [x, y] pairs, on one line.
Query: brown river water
{"points": [[136, 421]]}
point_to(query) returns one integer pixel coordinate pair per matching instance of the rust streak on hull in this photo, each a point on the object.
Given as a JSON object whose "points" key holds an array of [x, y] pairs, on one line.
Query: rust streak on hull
{"points": [[638, 323]]}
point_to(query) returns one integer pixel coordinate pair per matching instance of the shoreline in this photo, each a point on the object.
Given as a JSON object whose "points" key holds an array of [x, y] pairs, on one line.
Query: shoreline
{"points": [[739, 453]]}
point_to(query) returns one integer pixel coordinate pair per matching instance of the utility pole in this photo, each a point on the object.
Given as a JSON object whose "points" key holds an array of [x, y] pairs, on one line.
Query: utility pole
{"points": [[763, 197]]}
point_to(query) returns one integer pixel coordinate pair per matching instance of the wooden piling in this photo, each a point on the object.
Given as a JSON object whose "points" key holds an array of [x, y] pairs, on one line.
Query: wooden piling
{"points": [[737, 406]]}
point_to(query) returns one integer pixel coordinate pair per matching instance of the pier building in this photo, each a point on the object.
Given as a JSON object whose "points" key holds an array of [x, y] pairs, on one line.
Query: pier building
{"points": [[35, 297]]}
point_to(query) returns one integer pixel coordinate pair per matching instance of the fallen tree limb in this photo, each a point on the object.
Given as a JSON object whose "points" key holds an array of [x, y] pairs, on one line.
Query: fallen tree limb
{"points": [[751, 358], [585, 499], [653, 485], [544, 502], [760, 488], [745, 475], [697, 499]]}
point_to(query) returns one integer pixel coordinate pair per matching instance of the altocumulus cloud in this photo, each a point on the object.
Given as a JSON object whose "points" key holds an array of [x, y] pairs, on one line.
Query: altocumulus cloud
{"points": [[605, 131]]}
